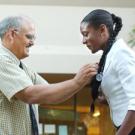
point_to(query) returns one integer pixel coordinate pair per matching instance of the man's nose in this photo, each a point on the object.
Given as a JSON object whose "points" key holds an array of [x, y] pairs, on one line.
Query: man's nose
{"points": [[32, 42]]}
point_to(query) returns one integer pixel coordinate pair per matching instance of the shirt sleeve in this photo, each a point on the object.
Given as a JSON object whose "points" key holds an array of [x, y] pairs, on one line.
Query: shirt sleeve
{"points": [[125, 67], [38, 79], [13, 79], [35, 77]]}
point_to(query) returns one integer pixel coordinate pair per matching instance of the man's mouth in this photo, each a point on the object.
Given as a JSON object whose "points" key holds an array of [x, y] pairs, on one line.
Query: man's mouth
{"points": [[28, 46]]}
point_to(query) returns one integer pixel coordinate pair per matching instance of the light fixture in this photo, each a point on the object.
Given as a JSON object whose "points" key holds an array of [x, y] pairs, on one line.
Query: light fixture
{"points": [[96, 113]]}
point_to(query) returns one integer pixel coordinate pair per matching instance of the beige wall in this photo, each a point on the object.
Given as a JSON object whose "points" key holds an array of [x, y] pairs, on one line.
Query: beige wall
{"points": [[104, 3], [58, 46]]}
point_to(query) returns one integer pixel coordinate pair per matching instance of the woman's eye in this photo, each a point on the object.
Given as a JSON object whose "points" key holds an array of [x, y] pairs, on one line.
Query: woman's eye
{"points": [[85, 34]]}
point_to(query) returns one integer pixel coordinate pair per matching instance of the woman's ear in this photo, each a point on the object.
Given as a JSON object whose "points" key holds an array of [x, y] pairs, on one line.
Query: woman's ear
{"points": [[103, 31]]}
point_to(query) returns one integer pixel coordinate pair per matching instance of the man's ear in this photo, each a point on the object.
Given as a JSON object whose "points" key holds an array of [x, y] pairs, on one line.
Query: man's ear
{"points": [[10, 34]]}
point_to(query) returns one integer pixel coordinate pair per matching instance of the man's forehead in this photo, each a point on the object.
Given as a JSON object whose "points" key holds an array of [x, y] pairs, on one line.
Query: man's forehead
{"points": [[28, 26]]}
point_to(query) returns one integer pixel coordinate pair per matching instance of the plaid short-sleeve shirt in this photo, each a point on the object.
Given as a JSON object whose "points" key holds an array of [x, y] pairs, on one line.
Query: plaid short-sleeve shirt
{"points": [[14, 114]]}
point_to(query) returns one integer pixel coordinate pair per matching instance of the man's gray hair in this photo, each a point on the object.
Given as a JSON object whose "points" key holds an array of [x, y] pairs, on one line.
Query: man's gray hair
{"points": [[14, 22]]}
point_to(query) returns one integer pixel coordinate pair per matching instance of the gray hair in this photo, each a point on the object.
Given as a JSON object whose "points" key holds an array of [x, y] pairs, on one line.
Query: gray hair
{"points": [[11, 22]]}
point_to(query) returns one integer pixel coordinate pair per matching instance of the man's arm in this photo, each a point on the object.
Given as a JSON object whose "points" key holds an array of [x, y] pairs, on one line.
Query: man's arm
{"points": [[59, 92]]}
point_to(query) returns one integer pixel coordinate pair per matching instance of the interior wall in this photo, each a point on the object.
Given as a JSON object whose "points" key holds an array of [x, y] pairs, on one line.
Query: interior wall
{"points": [[91, 3], [58, 43], [59, 25]]}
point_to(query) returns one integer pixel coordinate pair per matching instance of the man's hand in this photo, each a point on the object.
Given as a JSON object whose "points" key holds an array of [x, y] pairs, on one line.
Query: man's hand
{"points": [[85, 74]]}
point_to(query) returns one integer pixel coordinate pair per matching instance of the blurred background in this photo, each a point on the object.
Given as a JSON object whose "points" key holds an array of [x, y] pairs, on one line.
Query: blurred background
{"points": [[59, 53]]}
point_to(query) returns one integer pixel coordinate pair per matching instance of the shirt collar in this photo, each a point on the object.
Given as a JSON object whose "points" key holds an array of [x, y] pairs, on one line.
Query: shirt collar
{"points": [[9, 54]]}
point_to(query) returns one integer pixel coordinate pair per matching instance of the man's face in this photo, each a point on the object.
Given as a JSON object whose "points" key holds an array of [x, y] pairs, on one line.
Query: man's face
{"points": [[23, 39]]}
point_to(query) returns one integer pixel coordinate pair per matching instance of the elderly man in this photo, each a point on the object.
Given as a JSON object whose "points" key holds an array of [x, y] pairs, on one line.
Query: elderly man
{"points": [[21, 88]]}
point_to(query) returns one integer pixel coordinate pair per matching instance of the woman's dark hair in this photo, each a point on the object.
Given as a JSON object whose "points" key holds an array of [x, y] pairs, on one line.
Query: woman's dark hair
{"points": [[114, 25]]}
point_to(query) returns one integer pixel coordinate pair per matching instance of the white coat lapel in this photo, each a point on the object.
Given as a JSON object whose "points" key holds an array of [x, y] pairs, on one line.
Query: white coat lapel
{"points": [[108, 63]]}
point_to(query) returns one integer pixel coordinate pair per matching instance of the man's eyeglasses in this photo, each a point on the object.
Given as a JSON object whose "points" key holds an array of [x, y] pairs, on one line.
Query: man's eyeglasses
{"points": [[28, 36]]}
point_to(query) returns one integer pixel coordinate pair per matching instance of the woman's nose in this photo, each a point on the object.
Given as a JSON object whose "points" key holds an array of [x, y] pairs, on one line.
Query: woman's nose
{"points": [[84, 41]]}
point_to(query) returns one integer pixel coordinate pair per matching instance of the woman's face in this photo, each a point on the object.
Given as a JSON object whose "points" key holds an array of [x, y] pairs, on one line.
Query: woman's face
{"points": [[95, 39]]}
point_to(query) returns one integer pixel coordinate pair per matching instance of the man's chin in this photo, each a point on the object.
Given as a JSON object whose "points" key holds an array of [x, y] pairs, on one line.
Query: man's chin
{"points": [[25, 56]]}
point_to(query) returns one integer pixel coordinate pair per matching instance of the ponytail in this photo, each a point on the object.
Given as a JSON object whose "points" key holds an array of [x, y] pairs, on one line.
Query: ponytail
{"points": [[97, 79]]}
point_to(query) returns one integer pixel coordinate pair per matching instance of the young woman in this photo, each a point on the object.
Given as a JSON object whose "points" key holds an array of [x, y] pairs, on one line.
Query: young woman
{"points": [[116, 72]]}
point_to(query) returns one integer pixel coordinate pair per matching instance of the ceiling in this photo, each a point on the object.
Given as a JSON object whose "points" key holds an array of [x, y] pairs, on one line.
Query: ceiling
{"points": [[99, 3]]}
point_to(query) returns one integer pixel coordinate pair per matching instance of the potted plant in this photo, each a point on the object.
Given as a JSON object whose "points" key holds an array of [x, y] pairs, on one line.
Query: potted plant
{"points": [[131, 41]]}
